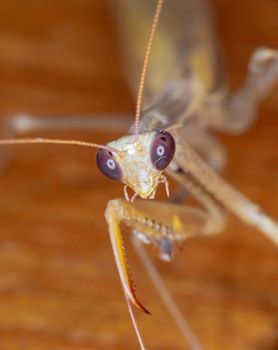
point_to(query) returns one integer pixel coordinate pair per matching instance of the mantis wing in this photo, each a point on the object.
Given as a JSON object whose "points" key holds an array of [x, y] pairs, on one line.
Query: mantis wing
{"points": [[184, 45]]}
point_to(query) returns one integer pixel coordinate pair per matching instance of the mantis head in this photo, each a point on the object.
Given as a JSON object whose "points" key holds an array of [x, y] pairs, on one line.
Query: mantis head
{"points": [[139, 160]]}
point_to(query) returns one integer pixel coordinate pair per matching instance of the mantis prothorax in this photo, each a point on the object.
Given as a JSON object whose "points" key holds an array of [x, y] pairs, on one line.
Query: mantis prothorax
{"points": [[161, 140]]}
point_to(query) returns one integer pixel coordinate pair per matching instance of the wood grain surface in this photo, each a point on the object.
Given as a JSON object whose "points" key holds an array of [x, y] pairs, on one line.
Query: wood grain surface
{"points": [[59, 289]]}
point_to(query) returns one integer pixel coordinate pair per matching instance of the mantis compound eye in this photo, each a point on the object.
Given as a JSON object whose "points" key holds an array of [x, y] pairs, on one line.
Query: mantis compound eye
{"points": [[162, 149], [108, 165]]}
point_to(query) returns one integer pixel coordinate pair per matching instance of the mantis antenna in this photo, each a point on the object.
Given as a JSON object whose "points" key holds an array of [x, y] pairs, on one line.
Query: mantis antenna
{"points": [[138, 103], [54, 142], [145, 66]]}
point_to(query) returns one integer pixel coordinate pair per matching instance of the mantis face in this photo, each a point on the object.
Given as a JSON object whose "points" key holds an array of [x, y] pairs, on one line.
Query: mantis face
{"points": [[139, 160]]}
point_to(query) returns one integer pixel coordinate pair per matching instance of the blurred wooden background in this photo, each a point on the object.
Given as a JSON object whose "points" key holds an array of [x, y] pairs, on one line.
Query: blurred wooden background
{"points": [[59, 288]]}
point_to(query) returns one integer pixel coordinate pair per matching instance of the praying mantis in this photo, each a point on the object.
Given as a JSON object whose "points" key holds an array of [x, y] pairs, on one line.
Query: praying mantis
{"points": [[172, 130]]}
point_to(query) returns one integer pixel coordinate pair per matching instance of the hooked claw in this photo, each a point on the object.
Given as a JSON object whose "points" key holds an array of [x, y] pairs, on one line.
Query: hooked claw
{"points": [[112, 217], [134, 300]]}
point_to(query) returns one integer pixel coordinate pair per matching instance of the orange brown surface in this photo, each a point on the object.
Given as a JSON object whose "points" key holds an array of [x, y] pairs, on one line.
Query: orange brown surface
{"points": [[59, 289]]}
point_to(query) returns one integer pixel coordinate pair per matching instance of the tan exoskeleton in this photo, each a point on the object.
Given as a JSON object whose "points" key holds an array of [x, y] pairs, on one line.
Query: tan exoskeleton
{"points": [[181, 104]]}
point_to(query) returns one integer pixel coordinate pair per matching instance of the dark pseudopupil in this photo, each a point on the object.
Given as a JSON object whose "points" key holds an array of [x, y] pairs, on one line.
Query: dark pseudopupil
{"points": [[162, 149], [107, 164]]}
